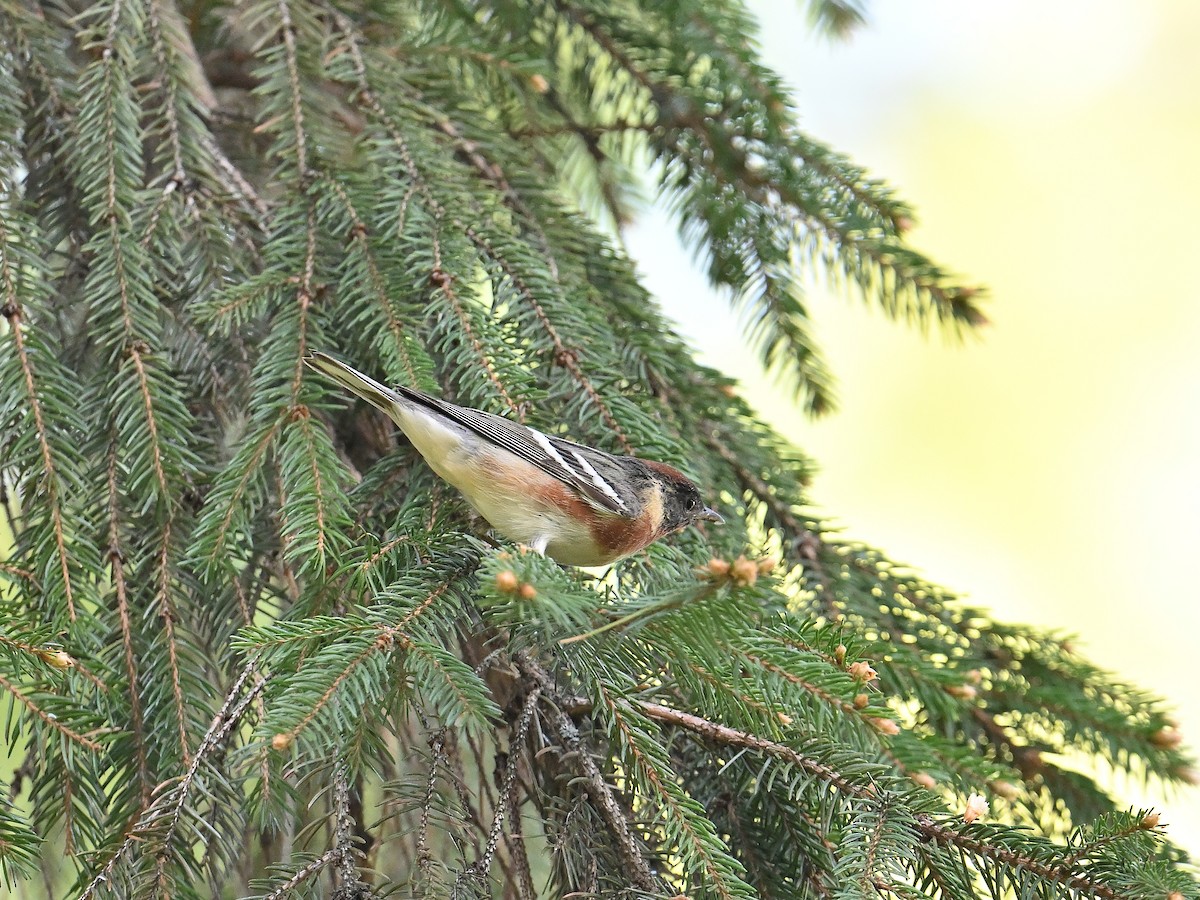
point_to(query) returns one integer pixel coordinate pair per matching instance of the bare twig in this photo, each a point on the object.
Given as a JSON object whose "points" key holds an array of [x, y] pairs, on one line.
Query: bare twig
{"points": [[507, 787], [597, 788], [306, 872], [343, 828]]}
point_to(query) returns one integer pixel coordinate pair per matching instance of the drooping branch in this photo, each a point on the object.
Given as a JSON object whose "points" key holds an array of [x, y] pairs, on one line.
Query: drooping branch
{"points": [[632, 851]]}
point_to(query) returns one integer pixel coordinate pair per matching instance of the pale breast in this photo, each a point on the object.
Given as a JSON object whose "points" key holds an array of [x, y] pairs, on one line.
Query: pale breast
{"points": [[518, 499], [526, 505]]}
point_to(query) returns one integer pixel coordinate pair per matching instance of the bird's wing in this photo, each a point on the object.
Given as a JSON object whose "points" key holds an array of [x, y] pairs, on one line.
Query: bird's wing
{"points": [[576, 466]]}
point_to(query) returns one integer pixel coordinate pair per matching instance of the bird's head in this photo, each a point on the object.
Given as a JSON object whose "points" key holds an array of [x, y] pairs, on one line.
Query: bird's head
{"points": [[682, 504]]}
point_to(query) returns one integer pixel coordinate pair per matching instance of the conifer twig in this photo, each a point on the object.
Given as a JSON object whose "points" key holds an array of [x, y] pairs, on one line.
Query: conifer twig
{"points": [[505, 804], [117, 560], [47, 718], [494, 175], [343, 829], [136, 346], [563, 355], [857, 247], [1065, 875], [602, 795], [11, 311], [438, 276], [305, 873], [288, 31], [942, 832], [236, 183], [445, 283], [359, 234], [223, 723]]}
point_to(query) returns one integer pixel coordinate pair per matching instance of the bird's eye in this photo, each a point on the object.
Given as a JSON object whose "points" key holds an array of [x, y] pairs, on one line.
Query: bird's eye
{"points": [[691, 502]]}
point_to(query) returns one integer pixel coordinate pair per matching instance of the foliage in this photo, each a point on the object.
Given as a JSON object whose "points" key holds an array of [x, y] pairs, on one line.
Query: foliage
{"points": [[253, 645]]}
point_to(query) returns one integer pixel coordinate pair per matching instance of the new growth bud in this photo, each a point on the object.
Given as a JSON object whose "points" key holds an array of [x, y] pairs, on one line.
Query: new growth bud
{"points": [[1166, 738], [976, 808], [717, 567], [862, 671], [60, 659], [1005, 789], [744, 571]]}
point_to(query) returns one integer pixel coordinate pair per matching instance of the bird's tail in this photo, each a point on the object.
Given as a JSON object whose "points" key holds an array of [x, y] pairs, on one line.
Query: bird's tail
{"points": [[356, 382]]}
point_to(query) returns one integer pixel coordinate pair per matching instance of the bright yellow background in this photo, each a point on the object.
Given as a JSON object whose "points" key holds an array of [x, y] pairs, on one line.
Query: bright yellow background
{"points": [[1051, 469]]}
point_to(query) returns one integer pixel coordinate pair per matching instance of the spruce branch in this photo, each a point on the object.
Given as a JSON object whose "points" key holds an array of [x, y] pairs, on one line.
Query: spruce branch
{"points": [[506, 805], [716, 159], [116, 560], [49, 719], [236, 183], [438, 274], [171, 805], [12, 313], [164, 59], [445, 283], [305, 874], [930, 828], [1064, 874], [287, 32], [359, 233], [493, 174], [1028, 760], [265, 638], [725, 735], [838, 18], [927, 826], [563, 355], [578, 755]]}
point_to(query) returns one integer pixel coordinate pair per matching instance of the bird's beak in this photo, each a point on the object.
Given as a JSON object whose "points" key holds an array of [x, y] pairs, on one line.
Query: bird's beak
{"points": [[711, 515]]}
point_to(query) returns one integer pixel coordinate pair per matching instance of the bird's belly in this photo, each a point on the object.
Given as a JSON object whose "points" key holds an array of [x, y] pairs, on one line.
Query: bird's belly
{"points": [[517, 498], [529, 520], [508, 492]]}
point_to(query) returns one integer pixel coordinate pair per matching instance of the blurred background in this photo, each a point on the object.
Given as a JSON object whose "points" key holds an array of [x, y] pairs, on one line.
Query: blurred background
{"points": [[1049, 469]]}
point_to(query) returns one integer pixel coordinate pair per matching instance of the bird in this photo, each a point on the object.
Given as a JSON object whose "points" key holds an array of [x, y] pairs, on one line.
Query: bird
{"points": [[575, 504]]}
